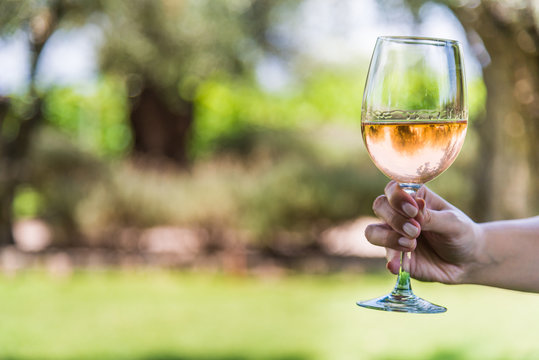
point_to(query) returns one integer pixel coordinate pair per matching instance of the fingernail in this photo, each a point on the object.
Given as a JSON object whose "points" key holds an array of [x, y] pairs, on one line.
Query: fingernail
{"points": [[409, 210], [405, 242], [410, 230]]}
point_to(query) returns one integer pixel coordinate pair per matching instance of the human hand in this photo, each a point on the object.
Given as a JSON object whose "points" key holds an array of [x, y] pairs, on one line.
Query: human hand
{"points": [[443, 241]]}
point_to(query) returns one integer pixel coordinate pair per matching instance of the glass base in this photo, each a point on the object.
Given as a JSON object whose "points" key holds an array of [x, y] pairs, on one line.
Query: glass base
{"points": [[402, 303]]}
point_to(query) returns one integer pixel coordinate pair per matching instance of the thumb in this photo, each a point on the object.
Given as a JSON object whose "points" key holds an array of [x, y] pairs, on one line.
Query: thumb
{"points": [[393, 261], [440, 221]]}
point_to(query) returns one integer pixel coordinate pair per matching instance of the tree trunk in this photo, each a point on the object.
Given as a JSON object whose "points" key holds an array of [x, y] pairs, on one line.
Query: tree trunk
{"points": [[13, 167], [508, 153], [14, 150], [6, 193], [159, 131]]}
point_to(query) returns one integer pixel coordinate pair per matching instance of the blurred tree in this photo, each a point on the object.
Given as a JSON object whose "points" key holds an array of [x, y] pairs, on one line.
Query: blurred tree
{"points": [[20, 119], [165, 49], [509, 165], [505, 37]]}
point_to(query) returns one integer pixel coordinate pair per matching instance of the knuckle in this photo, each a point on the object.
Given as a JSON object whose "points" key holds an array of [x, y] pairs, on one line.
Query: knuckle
{"points": [[376, 234], [389, 187], [394, 238], [452, 216], [427, 217], [378, 202], [396, 221]]}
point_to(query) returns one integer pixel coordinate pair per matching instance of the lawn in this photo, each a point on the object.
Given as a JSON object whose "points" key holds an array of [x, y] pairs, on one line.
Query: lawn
{"points": [[162, 315]]}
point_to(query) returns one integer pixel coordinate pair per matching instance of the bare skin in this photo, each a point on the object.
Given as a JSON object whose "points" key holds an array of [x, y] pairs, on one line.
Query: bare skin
{"points": [[451, 248]]}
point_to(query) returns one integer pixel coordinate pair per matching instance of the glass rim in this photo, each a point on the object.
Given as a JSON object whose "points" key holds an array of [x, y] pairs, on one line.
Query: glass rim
{"points": [[419, 40]]}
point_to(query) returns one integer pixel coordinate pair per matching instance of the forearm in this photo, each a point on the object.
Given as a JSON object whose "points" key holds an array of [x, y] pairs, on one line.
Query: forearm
{"points": [[507, 255]]}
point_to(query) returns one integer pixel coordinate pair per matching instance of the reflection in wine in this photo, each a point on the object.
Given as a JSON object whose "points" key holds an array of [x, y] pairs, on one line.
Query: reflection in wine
{"points": [[411, 151]]}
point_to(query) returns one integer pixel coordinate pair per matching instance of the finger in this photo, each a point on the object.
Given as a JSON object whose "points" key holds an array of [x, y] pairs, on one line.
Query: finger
{"points": [[403, 225], [400, 200], [434, 200], [384, 235], [444, 221], [393, 261]]}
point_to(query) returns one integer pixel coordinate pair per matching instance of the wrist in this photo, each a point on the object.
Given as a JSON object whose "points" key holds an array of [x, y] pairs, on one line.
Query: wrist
{"points": [[504, 255], [480, 259]]}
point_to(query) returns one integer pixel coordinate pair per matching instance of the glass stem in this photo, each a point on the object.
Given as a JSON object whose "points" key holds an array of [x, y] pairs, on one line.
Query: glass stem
{"points": [[403, 286]]}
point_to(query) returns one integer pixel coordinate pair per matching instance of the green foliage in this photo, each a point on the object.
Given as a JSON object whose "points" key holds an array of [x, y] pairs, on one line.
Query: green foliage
{"points": [[173, 46], [410, 90], [225, 107], [59, 176], [139, 198], [21, 108], [97, 119], [335, 96], [18, 14], [262, 162], [28, 202], [83, 127], [265, 163], [12, 13], [306, 195], [477, 96], [280, 180]]}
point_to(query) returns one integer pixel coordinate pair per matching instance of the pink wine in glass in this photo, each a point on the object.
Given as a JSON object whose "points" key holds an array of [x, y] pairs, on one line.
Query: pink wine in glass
{"points": [[413, 152]]}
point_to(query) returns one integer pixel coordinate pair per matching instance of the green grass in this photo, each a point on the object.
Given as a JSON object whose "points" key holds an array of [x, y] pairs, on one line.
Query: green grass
{"points": [[160, 315]]}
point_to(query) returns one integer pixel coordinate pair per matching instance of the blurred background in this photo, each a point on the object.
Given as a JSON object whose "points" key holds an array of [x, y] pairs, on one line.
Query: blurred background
{"points": [[186, 179]]}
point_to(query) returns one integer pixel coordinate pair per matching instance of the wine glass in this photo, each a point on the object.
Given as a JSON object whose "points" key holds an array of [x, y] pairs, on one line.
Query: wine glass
{"points": [[413, 120]]}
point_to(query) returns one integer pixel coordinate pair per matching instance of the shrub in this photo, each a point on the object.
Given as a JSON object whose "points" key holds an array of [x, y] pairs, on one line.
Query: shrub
{"points": [[283, 182]]}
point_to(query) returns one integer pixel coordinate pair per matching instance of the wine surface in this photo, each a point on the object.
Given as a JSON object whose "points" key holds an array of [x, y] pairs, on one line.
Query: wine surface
{"points": [[413, 151]]}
